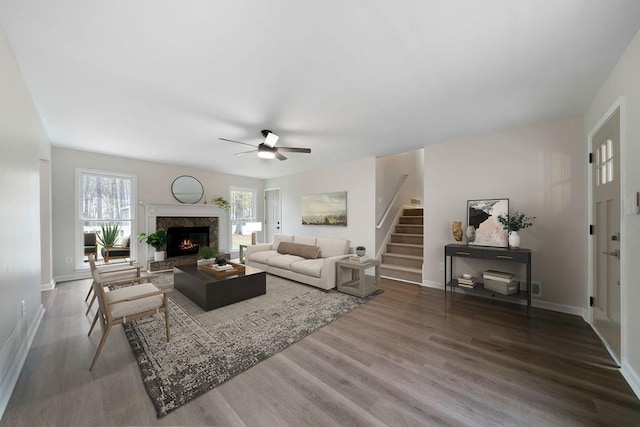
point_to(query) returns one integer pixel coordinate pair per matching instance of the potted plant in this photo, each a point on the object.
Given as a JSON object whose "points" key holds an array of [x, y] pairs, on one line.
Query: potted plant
{"points": [[158, 240], [361, 250], [207, 253], [513, 224], [108, 236], [222, 203]]}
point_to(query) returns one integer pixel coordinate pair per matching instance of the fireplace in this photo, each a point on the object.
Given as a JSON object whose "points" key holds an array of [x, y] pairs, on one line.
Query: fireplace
{"points": [[186, 240]]}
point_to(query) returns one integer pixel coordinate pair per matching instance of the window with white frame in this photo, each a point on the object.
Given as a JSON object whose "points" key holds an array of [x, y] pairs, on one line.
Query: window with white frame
{"points": [[243, 215], [105, 201]]}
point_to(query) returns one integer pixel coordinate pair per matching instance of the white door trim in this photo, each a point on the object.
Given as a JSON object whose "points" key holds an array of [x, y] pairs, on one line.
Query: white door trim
{"points": [[618, 104]]}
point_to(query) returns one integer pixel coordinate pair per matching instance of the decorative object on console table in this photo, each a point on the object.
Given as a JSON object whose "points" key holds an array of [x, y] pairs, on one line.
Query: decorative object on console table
{"points": [[361, 250], [158, 240], [514, 223], [456, 230], [483, 215]]}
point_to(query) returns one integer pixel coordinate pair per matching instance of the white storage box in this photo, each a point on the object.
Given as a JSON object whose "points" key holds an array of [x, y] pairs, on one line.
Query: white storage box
{"points": [[500, 282]]}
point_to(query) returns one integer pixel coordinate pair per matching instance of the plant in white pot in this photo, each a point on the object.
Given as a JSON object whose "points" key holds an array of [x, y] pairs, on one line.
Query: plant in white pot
{"points": [[158, 240], [361, 250], [207, 255], [513, 224]]}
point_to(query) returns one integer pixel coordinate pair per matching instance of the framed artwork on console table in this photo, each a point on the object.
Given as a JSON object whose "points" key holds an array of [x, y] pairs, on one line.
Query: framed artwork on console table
{"points": [[483, 227]]}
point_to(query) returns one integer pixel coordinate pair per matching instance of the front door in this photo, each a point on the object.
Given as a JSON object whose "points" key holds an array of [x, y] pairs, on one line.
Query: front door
{"points": [[272, 214], [606, 245]]}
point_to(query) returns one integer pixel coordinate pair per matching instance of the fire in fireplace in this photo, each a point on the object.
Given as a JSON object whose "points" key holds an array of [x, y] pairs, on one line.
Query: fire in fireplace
{"points": [[186, 240]]}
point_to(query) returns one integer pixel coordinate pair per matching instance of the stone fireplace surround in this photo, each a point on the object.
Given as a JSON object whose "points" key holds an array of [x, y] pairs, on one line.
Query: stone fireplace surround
{"points": [[160, 215]]}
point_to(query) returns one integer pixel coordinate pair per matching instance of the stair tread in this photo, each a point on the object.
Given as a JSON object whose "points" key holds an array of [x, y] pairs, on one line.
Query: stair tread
{"points": [[401, 268], [406, 245], [406, 234], [395, 255]]}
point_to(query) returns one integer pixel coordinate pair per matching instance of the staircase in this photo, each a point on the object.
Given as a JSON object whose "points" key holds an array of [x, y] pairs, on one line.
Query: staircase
{"points": [[404, 256]]}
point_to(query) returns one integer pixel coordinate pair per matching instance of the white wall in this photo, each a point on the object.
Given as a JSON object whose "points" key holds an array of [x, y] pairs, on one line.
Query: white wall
{"points": [[154, 186], [389, 170], [540, 169], [356, 178], [22, 143], [625, 80]]}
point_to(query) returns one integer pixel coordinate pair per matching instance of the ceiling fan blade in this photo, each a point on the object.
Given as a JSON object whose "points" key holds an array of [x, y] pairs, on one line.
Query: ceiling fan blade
{"points": [[293, 150], [280, 156], [246, 152], [237, 142]]}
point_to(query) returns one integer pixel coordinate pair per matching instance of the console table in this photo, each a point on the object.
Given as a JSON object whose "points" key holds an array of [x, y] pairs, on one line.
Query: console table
{"points": [[522, 256]]}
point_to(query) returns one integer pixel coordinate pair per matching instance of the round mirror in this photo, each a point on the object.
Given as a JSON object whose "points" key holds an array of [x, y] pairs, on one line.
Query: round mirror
{"points": [[187, 189]]}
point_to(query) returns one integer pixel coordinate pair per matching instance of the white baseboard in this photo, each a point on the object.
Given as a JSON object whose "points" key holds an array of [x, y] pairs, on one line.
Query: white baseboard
{"points": [[73, 276], [430, 284], [578, 311], [48, 286], [14, 360], [632, 377]]}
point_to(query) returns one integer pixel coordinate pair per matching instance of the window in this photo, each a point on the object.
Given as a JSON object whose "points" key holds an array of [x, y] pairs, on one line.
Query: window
{"points": [[104, 199], [243, 216], [604, 163]]}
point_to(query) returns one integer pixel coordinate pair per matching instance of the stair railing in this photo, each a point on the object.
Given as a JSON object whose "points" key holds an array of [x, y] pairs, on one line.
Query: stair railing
{"points": [[403, 179]]}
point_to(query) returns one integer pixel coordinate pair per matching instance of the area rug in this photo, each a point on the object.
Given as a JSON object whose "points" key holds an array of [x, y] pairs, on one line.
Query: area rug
{"points": [[208, 348]]}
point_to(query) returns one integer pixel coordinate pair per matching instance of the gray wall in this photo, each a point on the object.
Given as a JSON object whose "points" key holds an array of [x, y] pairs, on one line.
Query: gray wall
{"points": [[540, 169], [22, 143], [625, 81], [154, 186], [357, 178]]}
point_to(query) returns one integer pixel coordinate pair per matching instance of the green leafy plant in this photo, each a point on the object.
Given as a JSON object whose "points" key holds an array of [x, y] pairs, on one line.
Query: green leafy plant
{"points": [[109, 234], [207, 252], [360, 248], [516, 222], [222, 203], [157, 239]]}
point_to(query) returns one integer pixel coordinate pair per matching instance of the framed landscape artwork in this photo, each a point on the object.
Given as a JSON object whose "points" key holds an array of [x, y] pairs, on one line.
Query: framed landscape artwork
{"points": [[483, 228], [325, 209]]}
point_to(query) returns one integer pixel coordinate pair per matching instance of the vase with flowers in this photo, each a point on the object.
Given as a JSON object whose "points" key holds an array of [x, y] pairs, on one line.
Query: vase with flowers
{"points": [[513, 224]]}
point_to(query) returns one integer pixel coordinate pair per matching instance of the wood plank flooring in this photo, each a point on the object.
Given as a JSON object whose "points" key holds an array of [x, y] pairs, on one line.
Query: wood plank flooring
{"points": [[401, 359]]}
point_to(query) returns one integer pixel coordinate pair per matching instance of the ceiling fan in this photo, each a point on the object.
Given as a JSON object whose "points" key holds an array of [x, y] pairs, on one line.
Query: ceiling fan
{"points": [[267, 149]]}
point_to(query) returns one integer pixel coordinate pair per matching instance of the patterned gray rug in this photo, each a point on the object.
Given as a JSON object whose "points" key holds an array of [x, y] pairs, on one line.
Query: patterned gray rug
{"points": [[208, 348]]}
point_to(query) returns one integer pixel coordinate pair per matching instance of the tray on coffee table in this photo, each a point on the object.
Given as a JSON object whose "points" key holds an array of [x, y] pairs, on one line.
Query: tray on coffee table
{"points": [[210, 268]]}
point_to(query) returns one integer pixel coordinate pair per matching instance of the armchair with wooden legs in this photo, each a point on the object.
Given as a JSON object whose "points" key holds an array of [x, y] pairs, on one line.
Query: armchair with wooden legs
{"points": [[110, 275], [126, 304]]}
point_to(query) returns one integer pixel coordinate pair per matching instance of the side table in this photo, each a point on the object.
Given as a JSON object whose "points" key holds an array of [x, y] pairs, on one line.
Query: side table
{"points": [[350, 278]]}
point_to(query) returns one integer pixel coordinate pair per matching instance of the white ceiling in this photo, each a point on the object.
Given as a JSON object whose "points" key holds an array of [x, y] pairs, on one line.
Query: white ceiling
{"points": [[163, 80]]}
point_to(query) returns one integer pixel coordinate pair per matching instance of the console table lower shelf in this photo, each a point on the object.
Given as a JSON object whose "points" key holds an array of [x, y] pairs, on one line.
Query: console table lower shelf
{"points": [[490, 255]]}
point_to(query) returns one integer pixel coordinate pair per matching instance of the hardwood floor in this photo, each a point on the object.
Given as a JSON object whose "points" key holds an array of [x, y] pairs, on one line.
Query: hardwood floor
{"points": [[399, 359]]}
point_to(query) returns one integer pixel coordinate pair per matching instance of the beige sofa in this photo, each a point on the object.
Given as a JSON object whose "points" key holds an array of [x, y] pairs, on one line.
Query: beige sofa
{"points": [[304, 259]]}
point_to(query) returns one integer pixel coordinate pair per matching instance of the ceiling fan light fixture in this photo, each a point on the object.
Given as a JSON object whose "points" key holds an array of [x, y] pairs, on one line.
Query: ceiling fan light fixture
{"points": [[271, 139], [266, 154]]}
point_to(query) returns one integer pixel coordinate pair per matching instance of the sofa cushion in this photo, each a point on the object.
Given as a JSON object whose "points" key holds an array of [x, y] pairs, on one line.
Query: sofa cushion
{"points": [[305, 240], [277, 238], [308, 267], [128, 308], [283, 261], [262, 256], [305, 251], [332, 247]]}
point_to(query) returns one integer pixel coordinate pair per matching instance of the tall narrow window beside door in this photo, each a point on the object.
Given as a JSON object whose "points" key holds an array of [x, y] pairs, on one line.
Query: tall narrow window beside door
{"points": [[104, 199], [243, 215]]}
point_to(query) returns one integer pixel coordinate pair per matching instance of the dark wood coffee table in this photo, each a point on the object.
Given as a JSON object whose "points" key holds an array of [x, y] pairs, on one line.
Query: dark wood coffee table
{"points": [[210, 291]]}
